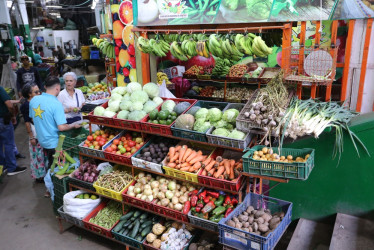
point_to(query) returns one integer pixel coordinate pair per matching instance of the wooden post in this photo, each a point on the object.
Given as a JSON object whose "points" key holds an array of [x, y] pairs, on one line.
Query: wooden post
{"points": [[301, 57], [333, 53], [286, 44], [347, 59], [317, 39], [146, 73]]}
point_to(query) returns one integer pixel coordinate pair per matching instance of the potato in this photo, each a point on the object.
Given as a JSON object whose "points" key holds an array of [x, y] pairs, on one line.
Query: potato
{"points": [[245, 213], [249, 209], [274, 220], [201, 248], [266, 217], [193, 246], [246, 225], [255, 226], [256, 232], [259, 214], [231, 223], [251, 219], [250, 229], [274, 225], [260, 220], [243, 218], [262, 228], [238, 225], [235, 219], [246, 229], [268, 211], [267, 233]]}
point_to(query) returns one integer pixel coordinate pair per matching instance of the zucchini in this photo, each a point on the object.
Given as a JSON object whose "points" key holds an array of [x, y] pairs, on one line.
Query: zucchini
{"points": [[126, 216], [135, 229], [137, 214], [127, 223], [145, 224], [146, 231], [118, 227]]}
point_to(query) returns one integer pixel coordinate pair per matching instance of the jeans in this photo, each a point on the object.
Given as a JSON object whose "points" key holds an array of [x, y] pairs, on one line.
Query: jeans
{"points": [[50, 153], [7, 156]]}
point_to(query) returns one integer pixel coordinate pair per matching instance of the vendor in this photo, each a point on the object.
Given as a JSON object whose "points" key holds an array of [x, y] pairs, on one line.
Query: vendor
{"points": [[72, 99]]}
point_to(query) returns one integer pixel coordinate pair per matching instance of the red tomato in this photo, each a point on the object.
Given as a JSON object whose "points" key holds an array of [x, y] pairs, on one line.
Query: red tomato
{"points": [[116, 141], [85, 145], [131, 143], [109, 149], [95, 143], [90, 138], [138, 146], [98, 138], [113, 146], [104, 136], [123, 138], [87, 142], [128, 149], [97, 147]]}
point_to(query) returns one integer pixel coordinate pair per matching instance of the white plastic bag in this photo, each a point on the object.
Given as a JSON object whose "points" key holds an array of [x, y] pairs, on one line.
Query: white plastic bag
{"points": [[79, 208], [104, 168], [164, 92]]}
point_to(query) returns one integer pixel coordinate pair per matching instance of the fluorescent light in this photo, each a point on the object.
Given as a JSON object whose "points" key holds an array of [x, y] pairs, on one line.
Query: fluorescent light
{"points": [[54, 6], [29, 1], [38, 28]]}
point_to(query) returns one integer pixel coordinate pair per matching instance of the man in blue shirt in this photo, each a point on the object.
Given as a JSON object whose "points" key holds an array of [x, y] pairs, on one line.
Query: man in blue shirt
{"points": [[49, 117]]}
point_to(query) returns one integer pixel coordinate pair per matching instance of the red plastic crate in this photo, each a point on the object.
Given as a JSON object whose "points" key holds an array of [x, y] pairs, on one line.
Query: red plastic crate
{"points": [[100, 120], [128, 123], [171, 213], [135, 201], [104, 231], [164, 129], [219, 183]]}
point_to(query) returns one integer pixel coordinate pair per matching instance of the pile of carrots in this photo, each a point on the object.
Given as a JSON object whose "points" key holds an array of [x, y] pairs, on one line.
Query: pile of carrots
{"points": [[220, 168], [186, 159]]}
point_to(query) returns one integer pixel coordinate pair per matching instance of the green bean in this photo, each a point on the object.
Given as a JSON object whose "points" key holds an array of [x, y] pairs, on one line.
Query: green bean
{"points": [[108, 216]]}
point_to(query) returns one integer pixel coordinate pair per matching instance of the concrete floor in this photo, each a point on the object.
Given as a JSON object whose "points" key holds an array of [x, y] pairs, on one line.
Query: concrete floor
{"points": [[26, 217]]}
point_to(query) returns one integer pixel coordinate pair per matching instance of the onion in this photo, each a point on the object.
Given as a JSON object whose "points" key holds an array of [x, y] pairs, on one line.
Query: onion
{"points": [[138, 196], [162, 180], [132, 194], [161, 195], [177, 194], [143, 197], [149, 198], [155, 184], [149, 177], [178, 206], [169, 194], [172, 185], [137, 190], [131, 188], [141, 175], [148, 192], [175, 200], [165, 202]]}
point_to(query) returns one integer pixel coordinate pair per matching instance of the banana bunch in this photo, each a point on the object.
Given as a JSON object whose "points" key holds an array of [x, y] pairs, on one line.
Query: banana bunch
{"points": [[259, 47], [177, 52], [202, 49], [222, 67], [107, 48], [94, 40], [152, 46], [188, 47], [214, 45], [244, 43], [161, 77], [169, 38]]}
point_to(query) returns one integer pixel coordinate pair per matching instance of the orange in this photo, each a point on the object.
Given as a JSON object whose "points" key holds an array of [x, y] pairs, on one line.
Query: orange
{"points": [[127, 35], [123, 57], [117, 29], [125, 12]]}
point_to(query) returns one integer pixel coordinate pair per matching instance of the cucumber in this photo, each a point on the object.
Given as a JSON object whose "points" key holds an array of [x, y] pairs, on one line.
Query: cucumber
{"points": [[139, 238], [135, 229], [118, 227], [137, 214], [121, 231], [144, 216], [145, 224], [132, 219], [125, 232], [127, 223], [131, 225], [146, 231], [126, 216]]}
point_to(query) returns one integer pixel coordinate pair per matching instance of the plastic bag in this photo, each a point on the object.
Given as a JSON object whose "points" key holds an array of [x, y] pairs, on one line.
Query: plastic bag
{"points": [[354, 9], [49, 184], [79, 208], [181, 86], [164, 92], [104, 168]]}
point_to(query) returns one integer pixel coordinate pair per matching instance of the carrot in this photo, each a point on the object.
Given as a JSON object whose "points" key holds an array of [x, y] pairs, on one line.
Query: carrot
{"points": [[211, 172], [197, 165], [220, 177], [210, 165], [177, 148], [239, 167], [196, 159], [174, 158], [192, 155], [188, 153], [171, 165], [184, 169], [182, 152], [204, 172], [220, 171], [172, 152], [232, 174], [206, 162], [200, 152], [185, 164], [232, 163], [226, 164]]}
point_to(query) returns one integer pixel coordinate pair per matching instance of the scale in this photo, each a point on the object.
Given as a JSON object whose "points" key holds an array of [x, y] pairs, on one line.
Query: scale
{"points": [[318, 64]]}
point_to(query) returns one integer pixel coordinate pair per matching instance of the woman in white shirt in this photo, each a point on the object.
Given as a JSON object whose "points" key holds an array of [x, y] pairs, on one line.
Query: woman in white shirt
{"points": [[72, 99]]}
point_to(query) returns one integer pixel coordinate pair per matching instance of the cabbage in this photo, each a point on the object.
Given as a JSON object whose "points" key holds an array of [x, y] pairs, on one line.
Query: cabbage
{"points": [[123, 114], [214, 115], [119, 90], [151, 89], [109, 113], [236, 134], [202, 113], [113, 106], [221, 132], [230, 115], [201, 125], [139, 96], [158, 100], [136, 115], [125, 105], [149, 106], [99, 111], [168, 105], [136, 106], [133, 86], [229, 126], [126, 97], [220, 124], [115, 97]]}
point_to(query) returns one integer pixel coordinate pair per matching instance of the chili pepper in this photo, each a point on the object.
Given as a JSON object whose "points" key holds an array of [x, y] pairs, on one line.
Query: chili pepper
{"points": [[219, 210], [187, 207], [198, 209], [227, 200], [234, 201], [193, 192], [208, 207], [219, 201], [194, 200], [202, 195], [216, 218], [228, 211], [213, 194], [206, 199]]}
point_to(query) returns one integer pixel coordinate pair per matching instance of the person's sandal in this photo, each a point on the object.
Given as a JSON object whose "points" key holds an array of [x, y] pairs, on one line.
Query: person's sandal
{"points": [[47, 195]]}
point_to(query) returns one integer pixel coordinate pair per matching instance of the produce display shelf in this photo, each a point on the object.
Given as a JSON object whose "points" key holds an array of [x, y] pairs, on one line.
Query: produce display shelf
{"points": [[281, 180], [170, 136], [141, 208], [254, 81], [164, 175]]}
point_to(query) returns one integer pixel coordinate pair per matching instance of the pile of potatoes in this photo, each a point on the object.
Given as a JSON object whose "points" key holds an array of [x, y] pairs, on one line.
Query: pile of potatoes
{"points": [[266, 154], [260, 222]]}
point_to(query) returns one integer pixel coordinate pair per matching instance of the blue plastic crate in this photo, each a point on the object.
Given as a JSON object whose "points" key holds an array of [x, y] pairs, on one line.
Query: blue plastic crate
{"points": [[194, 135], [240, 239], [95, 54]]}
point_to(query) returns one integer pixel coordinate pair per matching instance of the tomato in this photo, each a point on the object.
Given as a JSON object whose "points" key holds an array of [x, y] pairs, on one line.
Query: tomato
{"points": [[87, 142], [122, 150], [102, 132], [123, 138], [128, 154], [101, 143], [104, 136], [116, 141], [95, 143], [97, 132], [138, 146], [113, 146], [90, 137], [98, 138], [109, 149], [131, 143], [128, 149], [118, 153], [85, 145], [97, 147]]}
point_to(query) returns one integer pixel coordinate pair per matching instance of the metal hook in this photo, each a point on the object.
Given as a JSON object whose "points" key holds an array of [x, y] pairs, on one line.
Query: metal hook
{"points": [[156, 32], [167, 32], [216, 31], [190, 32], [179, 32]]}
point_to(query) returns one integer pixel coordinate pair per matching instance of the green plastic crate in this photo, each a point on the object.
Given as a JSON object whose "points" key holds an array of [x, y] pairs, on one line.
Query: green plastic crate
{"points": [[60, 185], [294, 170], [72, 139]]}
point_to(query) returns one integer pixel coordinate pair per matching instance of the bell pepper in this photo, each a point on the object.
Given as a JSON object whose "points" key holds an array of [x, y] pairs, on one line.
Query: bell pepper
{"points": [[219, 210], [198, 209], [234, 202], [207, 199], [216, 218], [219, 201], [194, 199], [187, 207], [227, 200], [208, 207], [228, 211], [193, 192], [213, 194], [200, 202], [202, 195]]}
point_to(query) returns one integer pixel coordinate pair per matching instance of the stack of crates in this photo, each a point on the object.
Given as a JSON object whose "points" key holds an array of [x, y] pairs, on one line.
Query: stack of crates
{"points": [[60, 188], [73, 138]]}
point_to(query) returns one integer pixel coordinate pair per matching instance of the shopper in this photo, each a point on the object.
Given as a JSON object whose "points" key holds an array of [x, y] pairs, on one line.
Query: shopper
{"points": [[38, 157], [37, 58], [72, 99], [27, 74], [49, 118], [7, 120]]}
